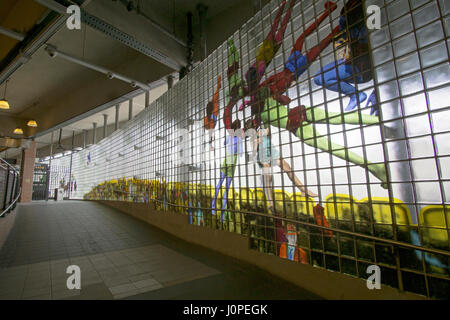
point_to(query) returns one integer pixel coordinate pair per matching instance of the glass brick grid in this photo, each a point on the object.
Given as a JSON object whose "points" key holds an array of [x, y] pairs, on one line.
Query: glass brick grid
{"points": [[164, 155]]}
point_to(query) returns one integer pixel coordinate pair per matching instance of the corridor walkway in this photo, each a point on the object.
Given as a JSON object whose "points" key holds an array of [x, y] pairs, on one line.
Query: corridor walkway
{"points": [[120, 258]]}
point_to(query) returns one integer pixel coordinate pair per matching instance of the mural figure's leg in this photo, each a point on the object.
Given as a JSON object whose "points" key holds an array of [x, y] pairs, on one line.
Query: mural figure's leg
{"points": [[279, 116], [280, 235], [199, 214], [318, 115], [337, 77], [190, 213], [372, 101], [267, 184], [431, 260], [280, 34], [225, 197], [273, 30], [308, 134], [217, 190]]}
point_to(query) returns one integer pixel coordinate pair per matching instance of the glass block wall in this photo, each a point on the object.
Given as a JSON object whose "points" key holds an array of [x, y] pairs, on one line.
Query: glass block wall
{"points": [[316, 133]]}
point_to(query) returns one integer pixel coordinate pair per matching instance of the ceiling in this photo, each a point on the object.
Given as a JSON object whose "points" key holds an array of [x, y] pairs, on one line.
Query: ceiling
{"points": [[53, 91], [20, 16]]}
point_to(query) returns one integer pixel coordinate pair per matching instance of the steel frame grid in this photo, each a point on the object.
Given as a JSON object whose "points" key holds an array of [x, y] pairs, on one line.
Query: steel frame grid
{"points": [[186, 101]]}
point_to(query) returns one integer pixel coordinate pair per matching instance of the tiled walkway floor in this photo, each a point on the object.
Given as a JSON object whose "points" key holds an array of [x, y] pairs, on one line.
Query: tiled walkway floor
{"points": [[119, 257]]}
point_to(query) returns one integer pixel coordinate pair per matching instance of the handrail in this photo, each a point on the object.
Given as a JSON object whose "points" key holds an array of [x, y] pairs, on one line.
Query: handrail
{"points": [[15, 187], [12, 204], [350, 233]]}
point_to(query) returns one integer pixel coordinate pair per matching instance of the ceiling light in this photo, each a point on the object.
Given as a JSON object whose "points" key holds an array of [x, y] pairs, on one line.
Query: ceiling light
{"points": [[18, 131], [4, 103], [32, 123]]}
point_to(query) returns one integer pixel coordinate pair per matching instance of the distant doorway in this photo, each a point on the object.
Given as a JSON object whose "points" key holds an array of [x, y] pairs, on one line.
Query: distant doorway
{"points": [[40, 182]]}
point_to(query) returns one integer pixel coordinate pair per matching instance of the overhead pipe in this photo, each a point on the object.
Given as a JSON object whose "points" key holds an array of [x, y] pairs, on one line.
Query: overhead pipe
{"points": [[131, 7], [12, 34], [53, 52]]}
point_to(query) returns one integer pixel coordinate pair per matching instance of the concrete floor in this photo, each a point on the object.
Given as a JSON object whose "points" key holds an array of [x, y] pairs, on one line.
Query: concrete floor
{"points": [[119, 258]]}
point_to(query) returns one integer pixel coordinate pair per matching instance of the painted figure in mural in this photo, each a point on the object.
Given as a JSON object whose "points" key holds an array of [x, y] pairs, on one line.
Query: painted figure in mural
{"points": [[297, 62], [354, 63], [233, 148], [300, 121], [268, 49], [289, 249], [233, 139], [212, 112], [267, 156]]}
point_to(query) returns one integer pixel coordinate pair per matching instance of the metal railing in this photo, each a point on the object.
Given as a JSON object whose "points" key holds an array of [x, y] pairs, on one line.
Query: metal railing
{"points": [[9, 187]]}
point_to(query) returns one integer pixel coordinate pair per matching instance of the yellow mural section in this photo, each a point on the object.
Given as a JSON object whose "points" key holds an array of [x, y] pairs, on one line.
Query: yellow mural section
{"points": [[185, 197]]}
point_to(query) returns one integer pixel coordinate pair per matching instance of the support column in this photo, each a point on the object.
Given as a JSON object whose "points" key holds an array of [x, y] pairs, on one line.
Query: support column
{"points": [[50, 167], [116, 127], [202, 9], [130, 109], [69, 191], [105, 125], [94, 133], [84, 138], [147, 99], [27, 172], [169, 82], [190, 47]]}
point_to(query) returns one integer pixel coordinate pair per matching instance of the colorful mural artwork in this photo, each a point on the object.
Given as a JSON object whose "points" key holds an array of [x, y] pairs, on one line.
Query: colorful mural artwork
{"points": [[323, 141]]}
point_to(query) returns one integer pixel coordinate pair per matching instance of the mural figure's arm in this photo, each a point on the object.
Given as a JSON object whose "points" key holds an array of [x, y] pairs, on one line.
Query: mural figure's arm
{"points": [[286, 168]]}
